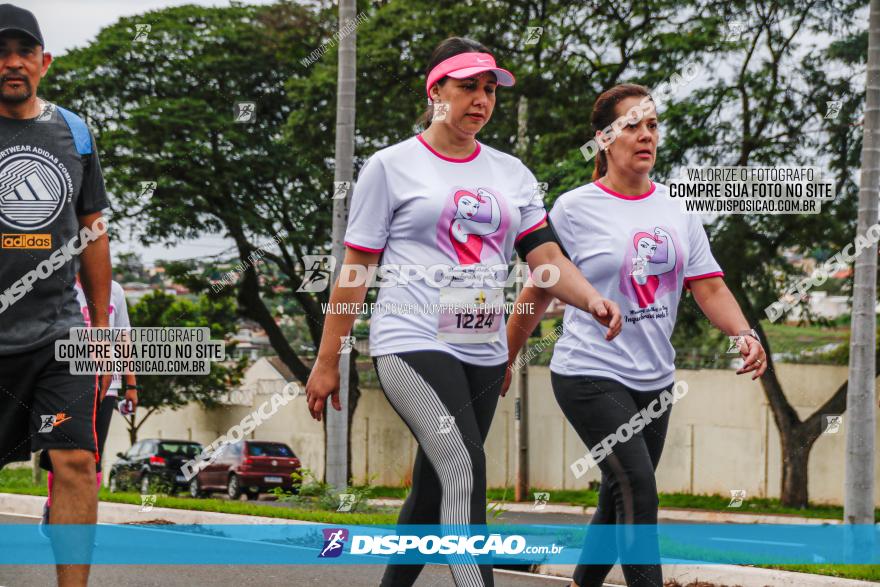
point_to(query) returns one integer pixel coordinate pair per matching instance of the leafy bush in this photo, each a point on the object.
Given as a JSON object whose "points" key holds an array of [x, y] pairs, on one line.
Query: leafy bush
{"points": [[313, 493]]}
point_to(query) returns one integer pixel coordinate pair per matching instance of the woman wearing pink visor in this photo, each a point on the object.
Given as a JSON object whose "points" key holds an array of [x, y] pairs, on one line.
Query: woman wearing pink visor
{"points": [[452, 210]]}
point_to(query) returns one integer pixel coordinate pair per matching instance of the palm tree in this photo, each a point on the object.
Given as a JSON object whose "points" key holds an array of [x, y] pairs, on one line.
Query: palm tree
{"points": [[338, 422], [859, 500]]}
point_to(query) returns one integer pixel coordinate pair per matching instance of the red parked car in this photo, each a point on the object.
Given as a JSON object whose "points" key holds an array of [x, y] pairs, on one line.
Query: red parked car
{"points": [[250, 467]]}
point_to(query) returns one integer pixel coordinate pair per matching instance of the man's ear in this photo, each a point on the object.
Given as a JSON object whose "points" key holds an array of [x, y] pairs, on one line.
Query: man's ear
{"points": [[47, 61]]}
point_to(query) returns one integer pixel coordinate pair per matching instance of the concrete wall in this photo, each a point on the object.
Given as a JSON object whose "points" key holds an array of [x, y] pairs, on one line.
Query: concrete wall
{"points": [[292, 423], [721, 436]]}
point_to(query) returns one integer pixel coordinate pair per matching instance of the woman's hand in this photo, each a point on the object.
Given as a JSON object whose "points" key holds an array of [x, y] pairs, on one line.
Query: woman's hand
{"points": [[323, 381], [753, 354], [720, 307], [607, 313], [573, 288], [324, 378]]}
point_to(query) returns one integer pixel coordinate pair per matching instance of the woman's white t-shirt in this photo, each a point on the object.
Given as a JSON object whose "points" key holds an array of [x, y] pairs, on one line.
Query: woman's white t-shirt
{"points": [[639, 251], [458, 220]]}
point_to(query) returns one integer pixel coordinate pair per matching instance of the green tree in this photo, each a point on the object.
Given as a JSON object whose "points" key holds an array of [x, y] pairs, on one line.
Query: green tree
{"points": [[165, 110], [394, 45], [771, 111], [760, 99], [163, 392]]}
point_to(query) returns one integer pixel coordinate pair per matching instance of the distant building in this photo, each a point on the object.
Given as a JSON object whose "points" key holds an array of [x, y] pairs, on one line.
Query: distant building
{"points": [[251, 342], [265, 376], [135, 290]]}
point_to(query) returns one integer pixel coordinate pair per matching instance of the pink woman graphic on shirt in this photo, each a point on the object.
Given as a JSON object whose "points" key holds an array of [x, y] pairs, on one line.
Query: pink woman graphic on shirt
{"points": [[651, 267], [476, 216]]}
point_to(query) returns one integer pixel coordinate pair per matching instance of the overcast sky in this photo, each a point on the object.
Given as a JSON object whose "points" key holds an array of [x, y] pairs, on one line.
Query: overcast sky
{"points": [[73, 23], [67, 24]]}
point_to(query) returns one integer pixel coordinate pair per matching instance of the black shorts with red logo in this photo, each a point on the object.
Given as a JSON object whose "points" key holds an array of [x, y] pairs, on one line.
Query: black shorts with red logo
{"points": [[43, 406]]}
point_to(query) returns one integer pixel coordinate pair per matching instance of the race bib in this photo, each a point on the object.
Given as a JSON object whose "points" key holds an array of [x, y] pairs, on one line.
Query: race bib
{"points": [[470, 314]]}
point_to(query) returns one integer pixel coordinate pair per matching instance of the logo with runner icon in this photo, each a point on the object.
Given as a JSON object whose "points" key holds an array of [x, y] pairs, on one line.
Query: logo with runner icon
{"points": [[334, 542], [48, 422], [317, 271]]}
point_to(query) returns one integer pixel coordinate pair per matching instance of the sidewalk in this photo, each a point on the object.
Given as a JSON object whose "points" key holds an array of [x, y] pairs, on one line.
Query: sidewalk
{"points": [[665, 514], [720, 575], [724, 576]]}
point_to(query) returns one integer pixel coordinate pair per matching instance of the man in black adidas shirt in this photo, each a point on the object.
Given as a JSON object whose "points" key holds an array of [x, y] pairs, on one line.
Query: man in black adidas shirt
{"points": [[51, 197]]}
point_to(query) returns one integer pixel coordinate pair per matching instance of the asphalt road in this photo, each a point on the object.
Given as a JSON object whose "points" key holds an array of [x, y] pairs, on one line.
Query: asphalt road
{"points": [[243, 575]]}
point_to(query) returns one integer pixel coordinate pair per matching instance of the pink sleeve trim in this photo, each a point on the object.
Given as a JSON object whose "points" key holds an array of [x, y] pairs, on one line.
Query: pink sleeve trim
{"points": [[532, 229], [361, 248], [687, 280]]}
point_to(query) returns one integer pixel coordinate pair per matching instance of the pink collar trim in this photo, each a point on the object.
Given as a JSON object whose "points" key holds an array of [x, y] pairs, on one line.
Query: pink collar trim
{"points": [[470, 157], [624, 196]]}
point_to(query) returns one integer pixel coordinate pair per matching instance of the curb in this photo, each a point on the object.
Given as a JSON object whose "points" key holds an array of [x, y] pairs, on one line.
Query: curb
{"points": [[724, 576], [667, 514], [124, 513]]}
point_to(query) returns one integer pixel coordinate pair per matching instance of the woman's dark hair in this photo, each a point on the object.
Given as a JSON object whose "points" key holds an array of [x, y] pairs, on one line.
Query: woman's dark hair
{"points": [[446, 49], [605, 112]]}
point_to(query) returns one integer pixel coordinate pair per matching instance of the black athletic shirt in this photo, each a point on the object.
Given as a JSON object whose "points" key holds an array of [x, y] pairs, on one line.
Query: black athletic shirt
{"points": [[44, 186]]}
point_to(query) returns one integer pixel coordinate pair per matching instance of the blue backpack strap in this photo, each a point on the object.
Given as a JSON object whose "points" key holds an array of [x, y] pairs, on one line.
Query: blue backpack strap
{"points": [[81, 136]]}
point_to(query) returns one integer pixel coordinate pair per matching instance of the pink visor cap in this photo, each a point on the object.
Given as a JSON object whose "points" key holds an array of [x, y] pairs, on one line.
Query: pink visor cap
{"points": [[466, 65]]}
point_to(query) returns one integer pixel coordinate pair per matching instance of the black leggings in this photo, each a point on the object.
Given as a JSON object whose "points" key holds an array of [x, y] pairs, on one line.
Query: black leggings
{"points": [[628, 494], [448, 405]]}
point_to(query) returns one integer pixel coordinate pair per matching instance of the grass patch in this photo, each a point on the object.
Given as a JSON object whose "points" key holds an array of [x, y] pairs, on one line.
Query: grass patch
{"points": [[860, 572], [789, 340], [16, 478], [380, 491], [20, 481], [254, 509], [716, 503], [753, 505], [792, 340]]}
